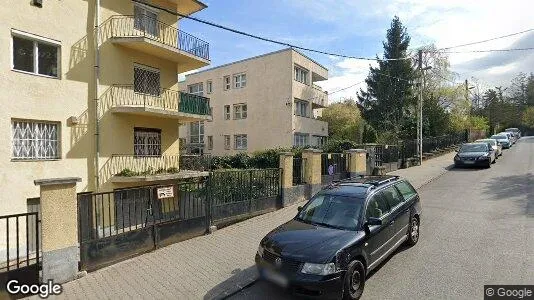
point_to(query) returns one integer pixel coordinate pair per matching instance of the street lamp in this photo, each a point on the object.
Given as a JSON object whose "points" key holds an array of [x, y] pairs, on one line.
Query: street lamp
{"points": [[420, 109]]}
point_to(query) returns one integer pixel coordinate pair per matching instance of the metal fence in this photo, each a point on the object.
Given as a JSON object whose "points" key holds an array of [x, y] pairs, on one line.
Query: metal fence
{"points": [[299, 165], [336, 160]]}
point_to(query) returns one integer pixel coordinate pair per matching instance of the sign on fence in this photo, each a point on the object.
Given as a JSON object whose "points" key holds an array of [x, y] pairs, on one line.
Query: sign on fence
{"points": [[165, 192]]}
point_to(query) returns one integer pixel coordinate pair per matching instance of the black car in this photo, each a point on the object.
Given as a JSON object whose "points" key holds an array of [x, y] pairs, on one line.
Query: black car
{"points": [[340, 235], [475, 154]]}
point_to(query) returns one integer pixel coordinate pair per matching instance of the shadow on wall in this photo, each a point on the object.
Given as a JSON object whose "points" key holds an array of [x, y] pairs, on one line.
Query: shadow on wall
{"points": [[516, 186], [239, 279]]}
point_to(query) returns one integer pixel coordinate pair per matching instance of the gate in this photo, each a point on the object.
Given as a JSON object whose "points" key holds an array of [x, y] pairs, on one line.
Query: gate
{"points": [[117, 225], [335, 162], [20, 259]]}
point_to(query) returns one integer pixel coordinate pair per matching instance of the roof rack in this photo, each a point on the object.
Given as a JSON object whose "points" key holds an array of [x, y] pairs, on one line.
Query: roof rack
{"points": [[393, 178]]}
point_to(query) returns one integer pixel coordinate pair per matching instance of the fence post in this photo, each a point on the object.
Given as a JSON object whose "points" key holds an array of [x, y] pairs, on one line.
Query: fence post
{"points": [[286, 178], [357, 162], [59, 226], [312, 171]]}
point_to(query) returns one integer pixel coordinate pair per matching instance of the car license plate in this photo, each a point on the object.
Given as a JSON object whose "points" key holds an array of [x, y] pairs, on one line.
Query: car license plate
{"points": [[469, 162], [274, 277]]}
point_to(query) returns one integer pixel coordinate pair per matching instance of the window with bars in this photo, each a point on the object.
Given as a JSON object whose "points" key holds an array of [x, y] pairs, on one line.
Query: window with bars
{"points": [[301, 140], [196, 89], [35, 56], [196, 133], [146, 20], [35, 140], [226, 142], [146, 80], [227, 114], [240, 141], [240, 81], [227, 84], [301, 75], [147, 141], [301, 108], [240, 111]]}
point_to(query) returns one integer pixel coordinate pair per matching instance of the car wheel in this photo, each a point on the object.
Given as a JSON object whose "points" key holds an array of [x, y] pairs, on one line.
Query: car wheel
{"points": [[489, 165], [413, 231], [354, 281]]}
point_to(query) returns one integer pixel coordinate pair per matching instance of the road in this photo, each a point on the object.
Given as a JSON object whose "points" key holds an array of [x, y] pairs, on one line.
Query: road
{"points": [[477, 229]]}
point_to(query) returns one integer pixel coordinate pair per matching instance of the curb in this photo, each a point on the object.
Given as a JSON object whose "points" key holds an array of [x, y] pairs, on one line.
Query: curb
{"points": [[229, 294]]}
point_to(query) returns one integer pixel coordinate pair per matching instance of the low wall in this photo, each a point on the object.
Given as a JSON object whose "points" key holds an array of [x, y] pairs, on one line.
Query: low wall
{"points": [[299, 193]]}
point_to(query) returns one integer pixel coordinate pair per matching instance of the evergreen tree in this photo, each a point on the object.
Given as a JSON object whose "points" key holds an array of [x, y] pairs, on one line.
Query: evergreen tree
{"points": [[389, 102]]}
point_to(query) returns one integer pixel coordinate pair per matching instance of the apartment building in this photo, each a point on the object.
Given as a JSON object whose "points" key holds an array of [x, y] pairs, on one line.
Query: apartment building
{"points": [[258, 103], [90, 90]]}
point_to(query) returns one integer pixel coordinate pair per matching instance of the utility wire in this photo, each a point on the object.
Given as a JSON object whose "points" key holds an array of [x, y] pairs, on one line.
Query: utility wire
{"points": [[267, 39], [489, 50], [488, 40]]}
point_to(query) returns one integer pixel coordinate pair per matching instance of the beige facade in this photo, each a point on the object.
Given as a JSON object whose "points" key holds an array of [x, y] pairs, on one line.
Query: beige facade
{"points": [[282, 103], [51, 109]]}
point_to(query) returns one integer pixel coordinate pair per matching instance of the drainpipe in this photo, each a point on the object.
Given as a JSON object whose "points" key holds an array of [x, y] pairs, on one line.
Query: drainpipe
{"points": [[96, 71]]}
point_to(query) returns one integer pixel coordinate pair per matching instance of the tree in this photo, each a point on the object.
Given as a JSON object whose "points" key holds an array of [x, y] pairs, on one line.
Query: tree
{"points": [[344, 120], [528, 117], [389, 99]]}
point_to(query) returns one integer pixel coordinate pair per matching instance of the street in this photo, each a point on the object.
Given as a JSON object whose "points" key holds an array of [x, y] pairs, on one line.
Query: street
{"points": [[476, 229]]}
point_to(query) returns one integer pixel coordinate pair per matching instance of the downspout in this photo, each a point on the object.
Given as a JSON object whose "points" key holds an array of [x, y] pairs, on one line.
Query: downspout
{"points": [[96, 71]]}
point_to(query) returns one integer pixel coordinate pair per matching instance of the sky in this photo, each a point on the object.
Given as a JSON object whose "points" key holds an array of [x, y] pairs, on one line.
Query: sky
{"points": [[358, 28]]}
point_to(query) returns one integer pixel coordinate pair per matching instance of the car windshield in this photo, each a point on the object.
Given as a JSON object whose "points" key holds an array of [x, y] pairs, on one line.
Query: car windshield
{"points": [[474, 148], [334, 211], [499, 137]]}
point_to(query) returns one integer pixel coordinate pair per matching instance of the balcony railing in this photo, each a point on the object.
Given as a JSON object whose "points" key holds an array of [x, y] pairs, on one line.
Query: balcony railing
{"points": [[131, 165], [150, 28], [164, 99]]}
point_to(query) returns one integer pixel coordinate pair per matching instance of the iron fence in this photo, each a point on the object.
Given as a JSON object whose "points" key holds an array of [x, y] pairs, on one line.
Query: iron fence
{"points": [[150, 28], [338, 162], [298, 170], [408, 148]]}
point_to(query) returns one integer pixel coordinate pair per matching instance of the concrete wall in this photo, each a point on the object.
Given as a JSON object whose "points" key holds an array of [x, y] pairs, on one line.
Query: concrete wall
{"points": [[269, 95]]}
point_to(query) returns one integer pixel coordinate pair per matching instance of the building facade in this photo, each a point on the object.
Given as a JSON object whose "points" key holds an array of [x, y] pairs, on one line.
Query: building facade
{"points": [[90, 90], [258, 103]]}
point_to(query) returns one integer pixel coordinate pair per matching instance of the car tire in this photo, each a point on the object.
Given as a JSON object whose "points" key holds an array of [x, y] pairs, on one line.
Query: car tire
{"points": [[413, 231], [354, 282]]}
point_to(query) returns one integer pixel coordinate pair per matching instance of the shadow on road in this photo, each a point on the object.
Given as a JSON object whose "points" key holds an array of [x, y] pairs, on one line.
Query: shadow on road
{"points": [[402, 248], [239, 280], [520, 186]]}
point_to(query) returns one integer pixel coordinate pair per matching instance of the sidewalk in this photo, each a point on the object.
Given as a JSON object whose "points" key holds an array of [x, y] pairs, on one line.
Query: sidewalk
{"points": [[206, 267]]}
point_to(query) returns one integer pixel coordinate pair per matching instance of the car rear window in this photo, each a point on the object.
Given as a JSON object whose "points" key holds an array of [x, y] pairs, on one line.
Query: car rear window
{"points": [[406, 190]]}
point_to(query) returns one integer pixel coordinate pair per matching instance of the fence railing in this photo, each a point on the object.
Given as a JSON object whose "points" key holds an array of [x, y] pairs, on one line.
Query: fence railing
{"points": [[299, 165], [408, 148], [125, 95], [153, 29], [19, 244], [143, 165]]}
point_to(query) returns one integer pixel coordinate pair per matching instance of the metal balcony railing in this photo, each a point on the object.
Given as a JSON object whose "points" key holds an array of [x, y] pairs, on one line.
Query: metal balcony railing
{"points": [[162, 99], [132, 165], [153, 29]]}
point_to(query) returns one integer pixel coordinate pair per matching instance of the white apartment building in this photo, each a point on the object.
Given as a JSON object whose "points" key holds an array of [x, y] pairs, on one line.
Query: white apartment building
{"points": [[258, 103]]}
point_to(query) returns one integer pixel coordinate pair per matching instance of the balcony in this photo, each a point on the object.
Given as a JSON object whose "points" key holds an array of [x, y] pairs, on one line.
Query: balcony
{"points": [[164, 103], [319, 97], [156, 38], [130, 168]]}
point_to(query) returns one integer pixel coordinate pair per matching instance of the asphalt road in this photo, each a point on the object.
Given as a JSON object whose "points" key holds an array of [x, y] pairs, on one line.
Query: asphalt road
{"points": [[477, 228]]}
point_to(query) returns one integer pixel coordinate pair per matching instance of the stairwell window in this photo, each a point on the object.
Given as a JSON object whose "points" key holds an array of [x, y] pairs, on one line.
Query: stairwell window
{"points": [[35, 140], [301, 75], [35, 55], [227, 84], [240, 81], [240, 141], [147, 142], [196, 89], [146, 80], [227, 113], [240, 111]]}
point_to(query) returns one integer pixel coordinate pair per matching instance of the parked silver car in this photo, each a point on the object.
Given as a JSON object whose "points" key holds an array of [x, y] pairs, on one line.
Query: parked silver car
{"points": [[497, 147], [510, 135], [503, 139], [515, 131]]}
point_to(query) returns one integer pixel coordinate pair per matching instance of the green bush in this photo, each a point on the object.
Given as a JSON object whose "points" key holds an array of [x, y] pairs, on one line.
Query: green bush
{"points": [[338, 146]]}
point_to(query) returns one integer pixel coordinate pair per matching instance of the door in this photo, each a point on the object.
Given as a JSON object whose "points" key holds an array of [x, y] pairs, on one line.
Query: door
{"points": [[379, 235], [146, 21], [399, 214]]}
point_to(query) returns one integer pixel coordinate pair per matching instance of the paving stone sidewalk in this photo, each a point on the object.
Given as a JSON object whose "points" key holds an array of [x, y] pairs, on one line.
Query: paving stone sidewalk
{"points": [[207, 267]]}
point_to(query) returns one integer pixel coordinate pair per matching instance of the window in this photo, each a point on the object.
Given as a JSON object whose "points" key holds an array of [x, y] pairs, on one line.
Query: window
{"points": [[146, 80], [406, 190], [301, 108], [147, 142], [227, 83], [196, 89], [301, 140], [240, 111], [318, 140], [392, 196], [35, 140], [301, 75], [227, 112], [209, 86], [377, 207], [210, 142], [182, 142], [240, 141], [240, 81], [226, 142], [196, 133], [146, 20], [35, 56]]}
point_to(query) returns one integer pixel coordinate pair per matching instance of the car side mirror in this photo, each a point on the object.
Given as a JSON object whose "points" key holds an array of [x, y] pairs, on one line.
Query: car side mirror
{"points": [[371, 222], [299, 208]]}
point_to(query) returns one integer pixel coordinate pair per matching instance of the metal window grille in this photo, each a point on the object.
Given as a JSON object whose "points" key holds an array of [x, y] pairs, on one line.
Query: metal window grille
{"points": [[147, 142], [35, 140], [146, 81]]}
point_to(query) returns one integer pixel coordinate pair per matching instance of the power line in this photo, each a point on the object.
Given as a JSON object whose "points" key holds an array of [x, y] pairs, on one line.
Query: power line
{"points": [[489, 50], [267, 39], [488, 40]]}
